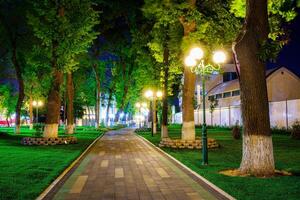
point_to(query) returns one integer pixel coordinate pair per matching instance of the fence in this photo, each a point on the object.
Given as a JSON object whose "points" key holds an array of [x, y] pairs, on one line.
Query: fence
{"points": [[282, 114]]}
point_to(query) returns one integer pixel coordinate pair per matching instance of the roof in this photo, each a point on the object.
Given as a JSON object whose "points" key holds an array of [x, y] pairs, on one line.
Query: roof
{"points": [[226, 86], [235, 85]]}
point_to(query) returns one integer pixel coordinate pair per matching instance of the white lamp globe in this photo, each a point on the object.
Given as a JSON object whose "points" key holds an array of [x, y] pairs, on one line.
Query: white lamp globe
{"points": [[159, 94], [149, 94], [219, 57], [196, 53], [190, 61]]}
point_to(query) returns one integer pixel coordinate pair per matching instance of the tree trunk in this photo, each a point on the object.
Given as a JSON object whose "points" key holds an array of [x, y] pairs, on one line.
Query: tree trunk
{"points": [[21, 93], [98, 95], [164, 124], [188, 125], [108, 106], [257, 156], [117, 116], [7, 122], [30, 113], [54, 102], [70, 108]]}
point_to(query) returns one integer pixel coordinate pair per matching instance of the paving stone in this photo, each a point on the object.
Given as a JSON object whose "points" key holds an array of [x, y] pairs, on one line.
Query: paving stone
{"points": [[78, 185], [122, 166], [119, 172]]}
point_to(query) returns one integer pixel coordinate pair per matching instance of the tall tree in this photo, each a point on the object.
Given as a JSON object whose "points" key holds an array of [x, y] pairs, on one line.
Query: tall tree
{"points": [[65, 28], [251, 51], [15, 30], [164, 45]]}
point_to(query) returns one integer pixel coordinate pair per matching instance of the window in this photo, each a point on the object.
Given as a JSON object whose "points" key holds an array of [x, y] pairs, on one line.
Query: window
{"points": [[236, 93], [226, 94], [211, 97], [219, 96], [229, 76]]}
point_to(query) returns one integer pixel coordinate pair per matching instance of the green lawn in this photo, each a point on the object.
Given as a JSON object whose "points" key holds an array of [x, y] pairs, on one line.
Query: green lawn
{"points": [[27, 170], [287, 157]]}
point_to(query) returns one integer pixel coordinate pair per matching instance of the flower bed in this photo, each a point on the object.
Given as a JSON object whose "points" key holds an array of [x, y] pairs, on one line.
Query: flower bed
{"points": [[187, 144], [48, 141]]}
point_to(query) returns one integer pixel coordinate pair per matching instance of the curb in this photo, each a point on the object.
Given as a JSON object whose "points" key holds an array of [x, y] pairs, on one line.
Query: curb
{"points": [[68, 169], [201, 178]]}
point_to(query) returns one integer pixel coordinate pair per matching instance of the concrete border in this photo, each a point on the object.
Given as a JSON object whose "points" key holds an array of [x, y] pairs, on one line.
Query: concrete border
{"points": [[199, 177], [67, 170]]}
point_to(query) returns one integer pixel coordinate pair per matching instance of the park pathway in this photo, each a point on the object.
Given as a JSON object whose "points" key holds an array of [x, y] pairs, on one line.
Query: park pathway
{"points": [[123, 166]]}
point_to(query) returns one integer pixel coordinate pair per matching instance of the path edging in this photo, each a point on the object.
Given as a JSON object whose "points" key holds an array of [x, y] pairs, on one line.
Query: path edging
{"points": [[67, 170], [210, 184]]}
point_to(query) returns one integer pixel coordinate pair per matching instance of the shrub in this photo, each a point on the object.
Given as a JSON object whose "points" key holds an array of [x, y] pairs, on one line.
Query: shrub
{"points": [[296, 130], [236, 132], [39, 128]]}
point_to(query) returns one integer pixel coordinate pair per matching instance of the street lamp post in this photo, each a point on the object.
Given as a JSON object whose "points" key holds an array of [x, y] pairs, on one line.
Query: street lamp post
{"points": [[37, 104], [153, 96], [197, 63]]}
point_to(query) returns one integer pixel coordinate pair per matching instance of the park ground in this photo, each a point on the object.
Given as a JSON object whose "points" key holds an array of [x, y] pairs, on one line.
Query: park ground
{"points": [[228, 156], [27, 170]]}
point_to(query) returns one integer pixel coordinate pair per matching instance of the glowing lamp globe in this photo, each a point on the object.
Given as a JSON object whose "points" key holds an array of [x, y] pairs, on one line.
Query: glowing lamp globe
{"points": [[219, 57], [39, 103], [149, 94], [138, 105], [159, 94], [190, 61], [197, 53]]}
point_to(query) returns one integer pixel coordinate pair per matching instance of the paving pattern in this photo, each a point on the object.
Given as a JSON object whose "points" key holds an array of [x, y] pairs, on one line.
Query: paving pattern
{"points": [[122, 166]]}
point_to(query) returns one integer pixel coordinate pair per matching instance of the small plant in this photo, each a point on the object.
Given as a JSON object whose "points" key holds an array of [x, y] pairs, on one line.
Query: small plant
{"points": [[39, 128], [236, 131], [296, 130]]}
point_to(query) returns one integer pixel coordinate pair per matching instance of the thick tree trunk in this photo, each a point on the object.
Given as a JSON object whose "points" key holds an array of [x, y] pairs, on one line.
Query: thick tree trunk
{"points": [[70, 108], [30, 113], [258, 156], [54, 101], [188, 125], [21, 93], [164, 124]]}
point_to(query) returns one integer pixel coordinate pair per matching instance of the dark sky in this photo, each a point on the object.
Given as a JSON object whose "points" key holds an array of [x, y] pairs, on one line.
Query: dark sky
{"points": [[289, 56]]}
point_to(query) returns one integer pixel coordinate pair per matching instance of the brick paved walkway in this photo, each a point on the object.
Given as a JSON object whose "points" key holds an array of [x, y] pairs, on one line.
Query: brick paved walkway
{"points": [[122, 166]]}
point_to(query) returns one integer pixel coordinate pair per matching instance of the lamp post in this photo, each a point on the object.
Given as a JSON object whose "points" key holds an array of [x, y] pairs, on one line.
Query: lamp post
{"points": [[37, 104], [198, 66], [153, 96]]}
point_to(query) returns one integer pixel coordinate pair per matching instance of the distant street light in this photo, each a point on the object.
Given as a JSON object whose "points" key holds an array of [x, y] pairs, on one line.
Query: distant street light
{"points": [[153, 96], [196, 62], [37, 104]]}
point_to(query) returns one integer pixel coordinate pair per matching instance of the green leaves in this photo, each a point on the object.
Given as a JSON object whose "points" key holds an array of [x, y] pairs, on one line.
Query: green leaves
{"points": [[69, 23]]}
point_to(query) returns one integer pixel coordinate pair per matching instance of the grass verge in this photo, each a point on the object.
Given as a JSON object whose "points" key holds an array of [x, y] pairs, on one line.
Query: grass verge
{"points": [[27, 170], [287, 157]]}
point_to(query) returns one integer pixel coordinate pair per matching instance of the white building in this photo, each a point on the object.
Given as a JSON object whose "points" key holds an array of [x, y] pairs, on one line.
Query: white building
{"points": [[283, 93], [282, 85]]}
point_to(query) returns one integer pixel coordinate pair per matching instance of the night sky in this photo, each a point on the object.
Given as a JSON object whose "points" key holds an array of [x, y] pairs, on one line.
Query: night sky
{"points": [[289, 56]]}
